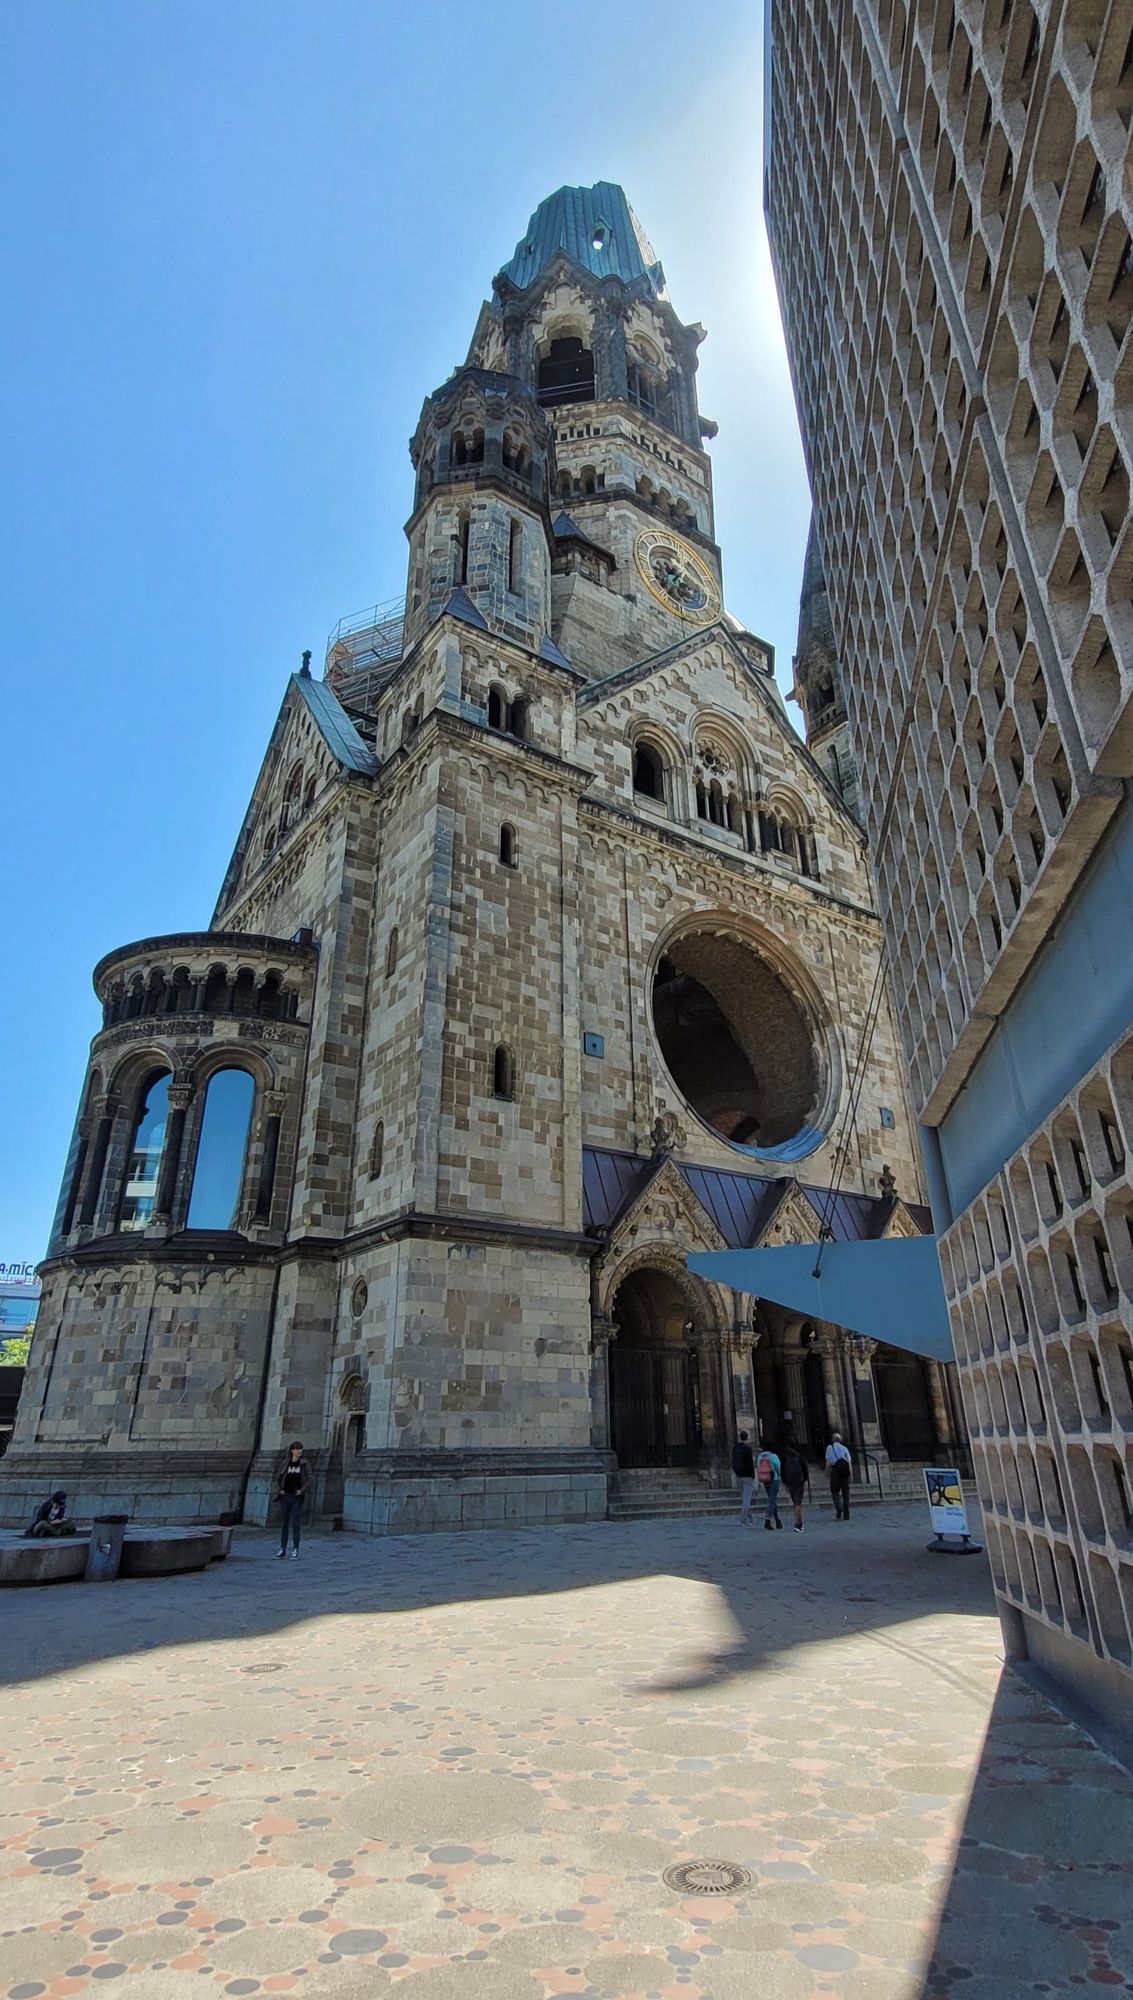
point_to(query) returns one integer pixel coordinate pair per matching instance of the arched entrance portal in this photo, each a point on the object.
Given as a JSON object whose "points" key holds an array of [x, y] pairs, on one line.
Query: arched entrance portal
{"points": [[654, 1378]]}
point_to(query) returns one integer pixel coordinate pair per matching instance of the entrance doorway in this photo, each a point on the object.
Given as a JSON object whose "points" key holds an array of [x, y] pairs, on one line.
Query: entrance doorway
{"points": [[654, 1381], [904, 1405]]}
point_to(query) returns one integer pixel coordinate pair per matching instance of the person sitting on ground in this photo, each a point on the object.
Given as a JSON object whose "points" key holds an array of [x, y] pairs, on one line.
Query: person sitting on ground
{"points": [[50, 1518], [743, 1465], [796, 1474]]}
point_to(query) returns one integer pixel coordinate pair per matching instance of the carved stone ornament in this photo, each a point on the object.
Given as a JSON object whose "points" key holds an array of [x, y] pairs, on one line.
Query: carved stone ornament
{"points": [[667, 1134], [887, 1182]]}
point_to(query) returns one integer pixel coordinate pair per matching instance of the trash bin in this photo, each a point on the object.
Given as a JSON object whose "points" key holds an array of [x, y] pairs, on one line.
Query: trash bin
{"points": [[105, 1552]]}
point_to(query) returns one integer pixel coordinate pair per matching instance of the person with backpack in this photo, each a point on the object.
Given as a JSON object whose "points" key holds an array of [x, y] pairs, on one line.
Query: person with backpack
{"points": [[796, 1477], [838, 1469], [743, 1465], [767, 1471]]}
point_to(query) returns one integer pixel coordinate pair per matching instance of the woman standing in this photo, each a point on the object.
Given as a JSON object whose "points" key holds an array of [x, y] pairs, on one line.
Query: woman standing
{"points": [[293, 1483]]}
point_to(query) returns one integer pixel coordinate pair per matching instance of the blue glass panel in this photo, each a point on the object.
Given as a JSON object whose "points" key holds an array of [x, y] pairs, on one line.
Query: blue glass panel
{"points": [[219, 1175], [145, 1155]]}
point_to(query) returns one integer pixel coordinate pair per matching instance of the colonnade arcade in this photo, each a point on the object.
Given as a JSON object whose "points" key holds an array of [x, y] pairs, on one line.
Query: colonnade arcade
{"points": [[679, 1366]]}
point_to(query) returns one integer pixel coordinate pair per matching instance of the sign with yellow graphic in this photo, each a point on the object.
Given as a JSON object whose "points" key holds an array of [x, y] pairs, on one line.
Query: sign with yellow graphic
{"points": [[946, 1500]]}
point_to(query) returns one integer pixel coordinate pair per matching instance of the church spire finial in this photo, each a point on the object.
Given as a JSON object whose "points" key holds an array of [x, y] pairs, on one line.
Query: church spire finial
{"points": [[305, 669]]}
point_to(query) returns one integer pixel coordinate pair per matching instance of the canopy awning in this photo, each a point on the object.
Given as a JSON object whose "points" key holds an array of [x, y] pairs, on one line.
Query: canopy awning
{"points": [[890, 1290]]}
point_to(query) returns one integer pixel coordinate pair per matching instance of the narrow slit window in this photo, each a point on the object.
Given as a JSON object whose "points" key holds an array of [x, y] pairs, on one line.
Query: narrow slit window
{"points": [[507, 846], [391, 953], [377, 1149], [514, 557], [503, 1074]]}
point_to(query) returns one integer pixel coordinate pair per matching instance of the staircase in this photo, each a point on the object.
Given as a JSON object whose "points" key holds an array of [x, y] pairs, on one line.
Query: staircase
{"points": [[667, 1493]]}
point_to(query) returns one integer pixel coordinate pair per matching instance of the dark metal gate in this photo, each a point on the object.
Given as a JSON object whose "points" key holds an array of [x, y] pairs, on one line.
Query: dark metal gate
{"points": [[655, 1405]]}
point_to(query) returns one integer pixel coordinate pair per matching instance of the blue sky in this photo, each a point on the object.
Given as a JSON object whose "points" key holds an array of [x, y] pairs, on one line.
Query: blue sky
{"points": [[249, 240]]}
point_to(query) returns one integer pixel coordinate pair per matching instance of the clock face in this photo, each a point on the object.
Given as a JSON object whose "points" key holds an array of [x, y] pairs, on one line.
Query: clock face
{"points": [[677, 577]]}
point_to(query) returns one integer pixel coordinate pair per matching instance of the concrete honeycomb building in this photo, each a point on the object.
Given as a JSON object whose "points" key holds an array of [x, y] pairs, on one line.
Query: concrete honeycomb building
{"points": [[947, 187], [543, 959]]}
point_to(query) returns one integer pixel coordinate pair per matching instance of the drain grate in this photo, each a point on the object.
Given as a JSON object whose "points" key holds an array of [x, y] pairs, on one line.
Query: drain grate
{"points": [[707, 1878], [264, 1667]]}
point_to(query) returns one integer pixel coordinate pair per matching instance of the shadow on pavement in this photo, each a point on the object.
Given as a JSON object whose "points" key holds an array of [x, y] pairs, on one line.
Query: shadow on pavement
{"points": [[1044, 1864]]}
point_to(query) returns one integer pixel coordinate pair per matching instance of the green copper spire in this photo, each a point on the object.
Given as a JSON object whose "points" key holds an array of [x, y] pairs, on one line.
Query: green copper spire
{"points": [[597, 228]]}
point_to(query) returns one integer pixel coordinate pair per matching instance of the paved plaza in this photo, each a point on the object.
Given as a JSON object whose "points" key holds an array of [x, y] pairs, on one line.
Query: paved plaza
{"points": [[461, 1765]]}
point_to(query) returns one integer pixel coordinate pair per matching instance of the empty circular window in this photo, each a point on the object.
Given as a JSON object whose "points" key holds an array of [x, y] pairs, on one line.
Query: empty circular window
{"points": [[738, 1044]]}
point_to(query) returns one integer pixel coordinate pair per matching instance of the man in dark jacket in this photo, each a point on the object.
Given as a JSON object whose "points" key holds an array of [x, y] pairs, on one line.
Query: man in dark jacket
{"points": [[50, 1519], [292, 1485], [743, 1465]]}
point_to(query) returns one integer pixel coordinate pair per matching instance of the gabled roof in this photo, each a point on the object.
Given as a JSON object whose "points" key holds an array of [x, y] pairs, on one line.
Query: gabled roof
{"points": [[334, 725], [721, 631], [338, 733], [460, 605], [565, 529], [741, 1205], [593, 226]]}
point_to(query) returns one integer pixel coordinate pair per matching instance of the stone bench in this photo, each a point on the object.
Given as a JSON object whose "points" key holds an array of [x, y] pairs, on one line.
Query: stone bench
{"points": [[166, 1551], [48, 1561]]}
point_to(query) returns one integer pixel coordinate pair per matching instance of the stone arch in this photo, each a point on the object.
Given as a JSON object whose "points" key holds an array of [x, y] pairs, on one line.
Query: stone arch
{"points": [[709, 1307]]}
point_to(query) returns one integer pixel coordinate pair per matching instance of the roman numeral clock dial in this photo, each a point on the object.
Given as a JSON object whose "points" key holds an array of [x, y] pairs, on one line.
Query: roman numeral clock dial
{"points": [[677, 577]]}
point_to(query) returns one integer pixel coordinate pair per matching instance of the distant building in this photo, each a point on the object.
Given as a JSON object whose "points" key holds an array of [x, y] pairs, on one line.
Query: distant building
{"points": [[951, 217], [19, 1303]]}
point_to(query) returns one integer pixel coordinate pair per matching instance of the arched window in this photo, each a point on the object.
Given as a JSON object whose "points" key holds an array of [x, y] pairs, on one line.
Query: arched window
{"points": [[735, 816], [147, 1142], [497, 708], [309, 795], [566, 374], [589, 479], [377, 1149], [503, 1074], [507, 847], [463, 533], [514, 556], [391, 953], [701, 800], [716, 811], [648, 771], [518, 717], [218, 1176]]}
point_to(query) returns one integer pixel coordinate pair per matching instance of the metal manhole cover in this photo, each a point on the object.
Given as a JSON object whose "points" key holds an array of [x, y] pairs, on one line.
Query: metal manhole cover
{"points": [[707, 1878], [264, 1667]]}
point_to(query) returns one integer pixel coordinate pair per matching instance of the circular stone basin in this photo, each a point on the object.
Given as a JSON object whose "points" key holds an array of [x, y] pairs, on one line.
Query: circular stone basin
{"points": [[164, 1551], [737, 1043], [47, 1561]]}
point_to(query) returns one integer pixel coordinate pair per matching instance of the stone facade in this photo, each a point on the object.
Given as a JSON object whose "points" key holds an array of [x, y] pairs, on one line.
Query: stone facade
{"points": [[949, 202], [570, 907]]}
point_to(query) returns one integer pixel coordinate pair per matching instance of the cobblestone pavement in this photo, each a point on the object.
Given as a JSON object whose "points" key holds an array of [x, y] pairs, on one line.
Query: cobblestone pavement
{"points": [[459, 1765]]}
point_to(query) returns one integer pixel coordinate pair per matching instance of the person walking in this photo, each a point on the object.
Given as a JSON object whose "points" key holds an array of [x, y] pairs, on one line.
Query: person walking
{"points": [[293, 1483], [838, 1472], [767, 1471], [796, 1477], [743, 1465]]}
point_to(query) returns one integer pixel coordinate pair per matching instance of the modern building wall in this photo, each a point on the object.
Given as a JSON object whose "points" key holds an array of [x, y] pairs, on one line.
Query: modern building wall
{"points": [[948, 197]]}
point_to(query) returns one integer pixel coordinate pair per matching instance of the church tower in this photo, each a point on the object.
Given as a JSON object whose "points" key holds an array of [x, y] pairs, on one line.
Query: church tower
{"points": [[543, 958]]}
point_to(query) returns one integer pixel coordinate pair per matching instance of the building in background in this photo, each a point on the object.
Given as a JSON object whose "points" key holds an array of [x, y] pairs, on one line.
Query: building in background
{"points": [[950, 211], [545, 957], [19, 1303]]}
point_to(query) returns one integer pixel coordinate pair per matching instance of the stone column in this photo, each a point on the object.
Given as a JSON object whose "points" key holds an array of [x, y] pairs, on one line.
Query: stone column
{"points": [[106, 1111], [75, 1187], [274, 1101], [716, 1414], [180, 1096], [603, 1330], [614, 382], [941, 1414], [862, 1351], [744, 1341], [831, 1386]]}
